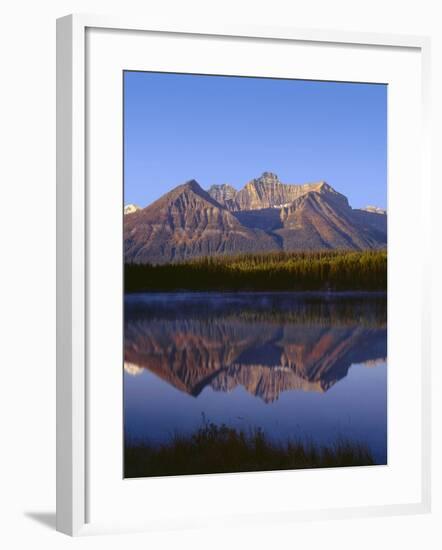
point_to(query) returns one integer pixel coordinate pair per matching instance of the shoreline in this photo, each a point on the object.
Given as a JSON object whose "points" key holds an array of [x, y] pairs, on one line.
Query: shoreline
{"points": [[301, 293], [214, 448]]}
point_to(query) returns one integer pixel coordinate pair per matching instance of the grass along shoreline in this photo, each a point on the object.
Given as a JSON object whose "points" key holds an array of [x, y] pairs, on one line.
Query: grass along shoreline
{"points": [[276, 271], [221, 449]]}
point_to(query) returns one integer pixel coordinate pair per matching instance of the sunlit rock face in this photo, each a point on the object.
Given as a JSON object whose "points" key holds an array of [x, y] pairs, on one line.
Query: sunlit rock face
{"points": [[266, 191], [223, 193]]}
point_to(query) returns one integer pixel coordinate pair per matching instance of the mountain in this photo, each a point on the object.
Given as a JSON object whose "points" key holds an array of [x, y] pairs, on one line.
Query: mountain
{"points": [[324, 219], [222, 193], [266, 215], [186, 223], [263, 192]]}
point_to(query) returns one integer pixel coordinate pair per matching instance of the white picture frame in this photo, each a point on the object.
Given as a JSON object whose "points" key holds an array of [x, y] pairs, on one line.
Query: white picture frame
{"points": [[73, 291]]}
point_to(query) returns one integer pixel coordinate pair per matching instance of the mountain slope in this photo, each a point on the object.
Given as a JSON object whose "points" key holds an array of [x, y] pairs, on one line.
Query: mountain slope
{"points": [[186, 223], [323, 219], [318, 217]]}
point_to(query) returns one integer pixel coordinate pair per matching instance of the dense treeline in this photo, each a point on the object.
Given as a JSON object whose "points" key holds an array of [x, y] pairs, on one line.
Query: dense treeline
{"points": [[219, 449], [296, 271]]}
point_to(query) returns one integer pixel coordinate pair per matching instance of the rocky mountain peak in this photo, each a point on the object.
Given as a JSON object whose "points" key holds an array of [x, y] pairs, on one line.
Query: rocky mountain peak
{"points": [[186, 223], [187, 195], [222, 193], [225, 187], [268, 177], [267, 191], [193, 185], [324, 186]]}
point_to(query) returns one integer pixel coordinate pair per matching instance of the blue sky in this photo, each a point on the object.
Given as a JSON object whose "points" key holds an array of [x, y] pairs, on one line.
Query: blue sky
{"points": [[218, 129]]}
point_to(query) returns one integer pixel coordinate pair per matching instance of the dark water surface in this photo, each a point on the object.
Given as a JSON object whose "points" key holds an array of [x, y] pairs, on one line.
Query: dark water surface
{"points": [[299, 366]]}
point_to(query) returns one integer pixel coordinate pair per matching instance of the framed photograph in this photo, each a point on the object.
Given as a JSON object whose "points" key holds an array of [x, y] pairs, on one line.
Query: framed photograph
{"points": [[242, 326]]}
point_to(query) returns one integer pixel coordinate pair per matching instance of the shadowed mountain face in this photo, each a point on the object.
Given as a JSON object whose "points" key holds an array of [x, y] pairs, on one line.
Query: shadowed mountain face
{"points": [[266, 215], [265, 353]]}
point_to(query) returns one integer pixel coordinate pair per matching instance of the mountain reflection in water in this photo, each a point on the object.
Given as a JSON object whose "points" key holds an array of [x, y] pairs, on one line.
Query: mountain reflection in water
{"points": [[269, 344], [264, 351]]}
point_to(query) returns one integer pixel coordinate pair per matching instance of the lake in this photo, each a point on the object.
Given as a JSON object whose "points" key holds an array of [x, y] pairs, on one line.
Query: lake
{"points": [[299, 366]]}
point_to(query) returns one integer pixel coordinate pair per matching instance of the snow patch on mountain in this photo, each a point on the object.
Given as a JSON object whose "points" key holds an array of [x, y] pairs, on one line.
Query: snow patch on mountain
{"points": [[131, 208]]}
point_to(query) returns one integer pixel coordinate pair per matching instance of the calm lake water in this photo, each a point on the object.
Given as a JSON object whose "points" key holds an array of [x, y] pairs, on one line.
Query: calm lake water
{"points": [[299, 366]]}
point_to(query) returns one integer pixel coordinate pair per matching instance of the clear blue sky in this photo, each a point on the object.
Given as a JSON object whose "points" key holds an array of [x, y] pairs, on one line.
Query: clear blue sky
{"points": [[218, 129]]}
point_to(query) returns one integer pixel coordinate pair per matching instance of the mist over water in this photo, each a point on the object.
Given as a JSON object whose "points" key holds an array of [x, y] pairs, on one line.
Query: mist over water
{"points": [[304, 366]]}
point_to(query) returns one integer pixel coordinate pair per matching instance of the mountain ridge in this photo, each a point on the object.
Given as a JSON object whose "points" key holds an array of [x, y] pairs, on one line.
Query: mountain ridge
{"points": [[266, 191], [185, 223], [265, 215]]}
